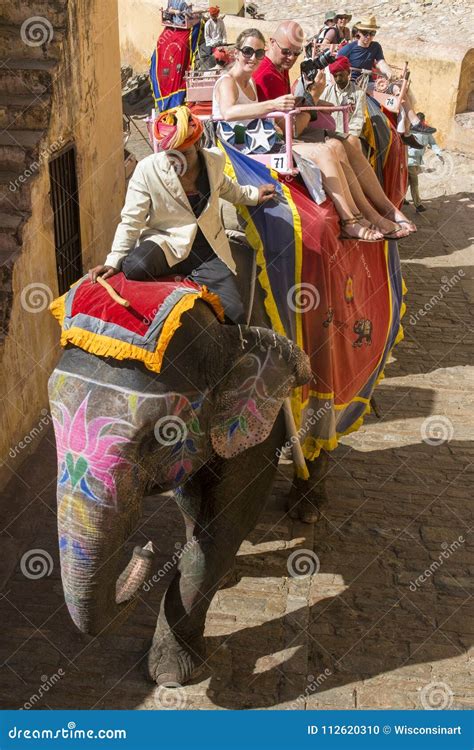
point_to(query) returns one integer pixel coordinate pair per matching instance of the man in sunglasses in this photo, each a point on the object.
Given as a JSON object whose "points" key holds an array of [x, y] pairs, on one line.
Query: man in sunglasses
{"points": [[365, 53], [272, 77]]}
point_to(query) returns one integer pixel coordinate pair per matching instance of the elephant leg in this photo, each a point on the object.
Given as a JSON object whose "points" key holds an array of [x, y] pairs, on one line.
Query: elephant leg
{"points": [[308, 495], [232, 495]]}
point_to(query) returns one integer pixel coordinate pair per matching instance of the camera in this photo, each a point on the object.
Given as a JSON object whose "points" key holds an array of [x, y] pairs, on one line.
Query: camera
{"points": [[309, 68]]}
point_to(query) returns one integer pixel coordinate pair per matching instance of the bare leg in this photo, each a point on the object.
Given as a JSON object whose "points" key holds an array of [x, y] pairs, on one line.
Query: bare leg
{"points": [[409, 107], [336, 186], [386, 226], [372, 188]]}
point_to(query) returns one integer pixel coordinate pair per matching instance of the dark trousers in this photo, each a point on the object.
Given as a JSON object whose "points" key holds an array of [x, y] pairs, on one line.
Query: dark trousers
{"points": [[147, 262]]}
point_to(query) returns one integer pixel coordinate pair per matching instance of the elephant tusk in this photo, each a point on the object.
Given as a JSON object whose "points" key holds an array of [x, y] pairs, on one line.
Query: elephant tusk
{"points": [[135, 574], [297, 451]]}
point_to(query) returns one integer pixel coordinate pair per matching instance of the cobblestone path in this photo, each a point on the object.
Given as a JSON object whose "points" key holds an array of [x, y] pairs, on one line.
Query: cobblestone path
{"points": [[386, 618]]}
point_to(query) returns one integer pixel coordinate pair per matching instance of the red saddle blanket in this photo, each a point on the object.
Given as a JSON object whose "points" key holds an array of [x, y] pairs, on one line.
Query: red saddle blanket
{"points": [[92, 320]]}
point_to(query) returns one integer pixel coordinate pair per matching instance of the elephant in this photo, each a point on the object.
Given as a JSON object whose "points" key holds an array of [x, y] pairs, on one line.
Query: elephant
{"points": [[208, 426], [363, 329]]}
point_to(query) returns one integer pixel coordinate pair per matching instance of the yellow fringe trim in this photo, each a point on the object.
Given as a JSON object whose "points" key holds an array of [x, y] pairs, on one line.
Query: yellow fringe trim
{"points": [[106, 346]]}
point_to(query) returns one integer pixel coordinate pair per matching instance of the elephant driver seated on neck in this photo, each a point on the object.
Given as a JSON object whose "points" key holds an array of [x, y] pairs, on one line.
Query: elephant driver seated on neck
{"points": [[170, 223]]}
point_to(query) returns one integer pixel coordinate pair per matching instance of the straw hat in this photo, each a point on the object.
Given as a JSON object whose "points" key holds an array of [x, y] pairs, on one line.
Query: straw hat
{"points": [[369, 23], [344, 13]]}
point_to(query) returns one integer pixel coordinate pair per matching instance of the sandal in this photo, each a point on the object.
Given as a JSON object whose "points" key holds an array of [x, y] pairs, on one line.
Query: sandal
{"points": [[345, 236], [410, 224], [394, 235]]}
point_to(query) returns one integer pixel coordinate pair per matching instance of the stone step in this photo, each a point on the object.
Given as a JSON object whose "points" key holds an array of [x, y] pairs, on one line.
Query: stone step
{"points": [[12, 158], [11, 229], [21, 76], [10, 222], [8, 256], [26, 139], [18, 13], [35, 40], [24, 111], [15, 193]]}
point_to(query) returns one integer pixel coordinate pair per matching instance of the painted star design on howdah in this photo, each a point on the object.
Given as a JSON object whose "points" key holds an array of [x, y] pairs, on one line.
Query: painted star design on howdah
{"points": [[260, 136]]}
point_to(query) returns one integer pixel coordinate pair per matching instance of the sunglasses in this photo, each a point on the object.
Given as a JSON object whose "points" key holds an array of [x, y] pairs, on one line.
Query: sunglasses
{"points": [[368, 33], [249, 52], [287, 52]]}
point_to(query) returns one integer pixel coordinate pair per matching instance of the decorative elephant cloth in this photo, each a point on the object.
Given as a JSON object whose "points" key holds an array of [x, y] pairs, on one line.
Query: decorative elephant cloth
{"points": [[93, 321], [341, 302], [167, 436]]}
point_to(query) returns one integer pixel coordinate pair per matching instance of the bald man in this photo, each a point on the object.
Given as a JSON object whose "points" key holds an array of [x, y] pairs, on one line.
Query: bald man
{"points": [[272, 77]]}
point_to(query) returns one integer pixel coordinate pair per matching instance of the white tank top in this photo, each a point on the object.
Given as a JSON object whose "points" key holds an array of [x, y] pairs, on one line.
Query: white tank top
{"points": [[241, 99]]}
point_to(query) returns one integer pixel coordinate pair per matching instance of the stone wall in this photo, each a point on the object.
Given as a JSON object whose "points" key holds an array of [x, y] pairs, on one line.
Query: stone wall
{"points": [[85, 109], [440, 74]]}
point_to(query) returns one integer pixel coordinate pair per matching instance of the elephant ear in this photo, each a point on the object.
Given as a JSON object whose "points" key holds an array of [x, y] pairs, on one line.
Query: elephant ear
{"points": [[249, 399]]}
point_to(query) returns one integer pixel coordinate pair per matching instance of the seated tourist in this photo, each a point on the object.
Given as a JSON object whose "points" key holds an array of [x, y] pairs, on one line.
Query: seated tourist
{"points": [[365, 53], [338, 33], [178, 10], [328, 26], [235, 101], [171, 220], [344, 91], [342, 19], [344, 162]]}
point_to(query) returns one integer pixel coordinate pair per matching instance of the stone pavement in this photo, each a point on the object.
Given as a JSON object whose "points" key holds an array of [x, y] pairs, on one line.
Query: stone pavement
{"points": [[383, 617]]}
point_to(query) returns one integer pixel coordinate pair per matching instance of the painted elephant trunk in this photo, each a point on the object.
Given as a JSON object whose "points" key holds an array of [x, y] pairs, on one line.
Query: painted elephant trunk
{"points": [[99, 503], [91, 545]]}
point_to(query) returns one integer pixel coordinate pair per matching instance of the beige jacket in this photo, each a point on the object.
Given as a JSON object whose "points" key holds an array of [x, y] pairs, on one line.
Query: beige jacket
{"points": [[156, 208]]}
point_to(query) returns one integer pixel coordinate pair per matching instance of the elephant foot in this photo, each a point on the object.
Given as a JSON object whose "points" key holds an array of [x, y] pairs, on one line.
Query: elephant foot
{"points": [[303, 502], [172, 662]]}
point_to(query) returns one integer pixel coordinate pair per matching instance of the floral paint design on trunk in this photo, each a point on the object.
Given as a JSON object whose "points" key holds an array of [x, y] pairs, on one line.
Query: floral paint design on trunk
{"points": [[88, 449]]}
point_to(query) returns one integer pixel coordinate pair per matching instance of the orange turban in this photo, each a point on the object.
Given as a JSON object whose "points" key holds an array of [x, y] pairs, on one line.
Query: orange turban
{"points": [[172, 129], [214, 10]]}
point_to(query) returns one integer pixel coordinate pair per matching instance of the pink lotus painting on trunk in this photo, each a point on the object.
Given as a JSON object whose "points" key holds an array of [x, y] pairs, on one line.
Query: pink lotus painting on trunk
{"points": [[87, 448]]}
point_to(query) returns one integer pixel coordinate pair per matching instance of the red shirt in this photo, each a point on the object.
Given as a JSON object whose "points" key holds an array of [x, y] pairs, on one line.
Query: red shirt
{"points": [[271, 82]]}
